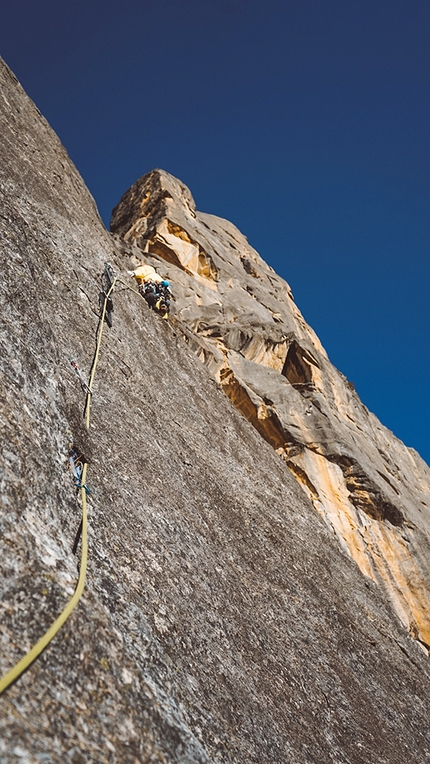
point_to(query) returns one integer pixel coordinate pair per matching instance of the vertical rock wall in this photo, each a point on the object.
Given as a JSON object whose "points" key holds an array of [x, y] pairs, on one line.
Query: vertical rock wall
{"points": [[241, 320], [219, 623]]}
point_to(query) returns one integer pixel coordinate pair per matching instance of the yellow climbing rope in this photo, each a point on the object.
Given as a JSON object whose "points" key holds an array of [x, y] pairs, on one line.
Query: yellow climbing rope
{"points": [[97, 353], [35, 651], [28, 659]]}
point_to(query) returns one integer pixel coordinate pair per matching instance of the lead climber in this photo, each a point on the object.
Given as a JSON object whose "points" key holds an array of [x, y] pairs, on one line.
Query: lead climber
{"points": [[154, 289]]}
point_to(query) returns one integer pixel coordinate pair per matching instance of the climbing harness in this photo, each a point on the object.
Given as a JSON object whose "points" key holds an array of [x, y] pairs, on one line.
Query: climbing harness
{"points": [[157, 295], [78, 468]]}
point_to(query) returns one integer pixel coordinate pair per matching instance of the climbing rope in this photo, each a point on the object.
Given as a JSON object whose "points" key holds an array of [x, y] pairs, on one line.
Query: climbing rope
{"points": [[14, 673], [97, 353], [35, 651]]}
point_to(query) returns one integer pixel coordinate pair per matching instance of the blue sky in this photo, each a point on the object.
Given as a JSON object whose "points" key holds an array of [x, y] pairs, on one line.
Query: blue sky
{"points": [[304, 122]]}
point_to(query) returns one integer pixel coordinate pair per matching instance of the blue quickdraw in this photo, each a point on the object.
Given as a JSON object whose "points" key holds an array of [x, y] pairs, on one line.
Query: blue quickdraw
{"points": [[84, 485], [76, 469]]}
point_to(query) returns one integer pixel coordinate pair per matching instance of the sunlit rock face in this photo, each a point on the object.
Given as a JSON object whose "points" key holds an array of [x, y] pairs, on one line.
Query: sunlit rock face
{"points": [[219, 623], [241, 320]]}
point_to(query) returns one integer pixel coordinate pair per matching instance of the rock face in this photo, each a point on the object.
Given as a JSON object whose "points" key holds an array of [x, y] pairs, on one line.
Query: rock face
{"points": [[220, 622], [241, 320]]}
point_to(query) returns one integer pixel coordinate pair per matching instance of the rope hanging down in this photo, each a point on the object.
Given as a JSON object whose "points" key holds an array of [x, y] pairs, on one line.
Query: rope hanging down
{"points": [[14, 673], [38, 648], [97, 353]]}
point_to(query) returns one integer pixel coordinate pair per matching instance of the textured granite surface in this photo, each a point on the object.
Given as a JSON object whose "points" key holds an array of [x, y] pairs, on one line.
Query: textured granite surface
{"points": [[220, 621]]}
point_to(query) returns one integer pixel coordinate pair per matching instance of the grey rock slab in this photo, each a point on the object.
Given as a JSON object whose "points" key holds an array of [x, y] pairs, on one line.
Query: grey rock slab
{"points": [[219, 622]]}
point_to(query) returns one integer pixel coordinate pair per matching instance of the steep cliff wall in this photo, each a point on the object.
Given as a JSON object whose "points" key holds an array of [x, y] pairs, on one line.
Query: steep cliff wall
{"points": [[241, 320], [219, 623]]}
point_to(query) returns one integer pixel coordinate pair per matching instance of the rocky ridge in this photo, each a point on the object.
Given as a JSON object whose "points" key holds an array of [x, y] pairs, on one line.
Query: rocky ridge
{"points": [[241, 320], [219, 622]]}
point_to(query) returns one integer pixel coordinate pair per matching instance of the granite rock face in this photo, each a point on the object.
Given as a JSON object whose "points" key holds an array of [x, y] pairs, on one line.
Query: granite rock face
{"points": [[220, 622], [241, 320]]}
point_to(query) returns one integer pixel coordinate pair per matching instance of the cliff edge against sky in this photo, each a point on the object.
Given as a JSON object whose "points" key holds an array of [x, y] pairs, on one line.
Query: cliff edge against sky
{"points": [[241, 320], [224, 618]]}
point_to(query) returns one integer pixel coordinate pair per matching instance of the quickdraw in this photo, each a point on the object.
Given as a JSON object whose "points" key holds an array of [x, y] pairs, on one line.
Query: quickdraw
{"points": [[79, 374], [78, 468]]}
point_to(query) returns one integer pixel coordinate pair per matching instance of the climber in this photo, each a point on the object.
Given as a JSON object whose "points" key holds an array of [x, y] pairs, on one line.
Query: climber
{"points": [[154, 289], [164, 294]]}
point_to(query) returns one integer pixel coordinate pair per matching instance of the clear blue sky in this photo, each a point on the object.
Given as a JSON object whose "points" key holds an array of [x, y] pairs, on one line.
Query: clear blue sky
{"points": [[305, 122]]}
